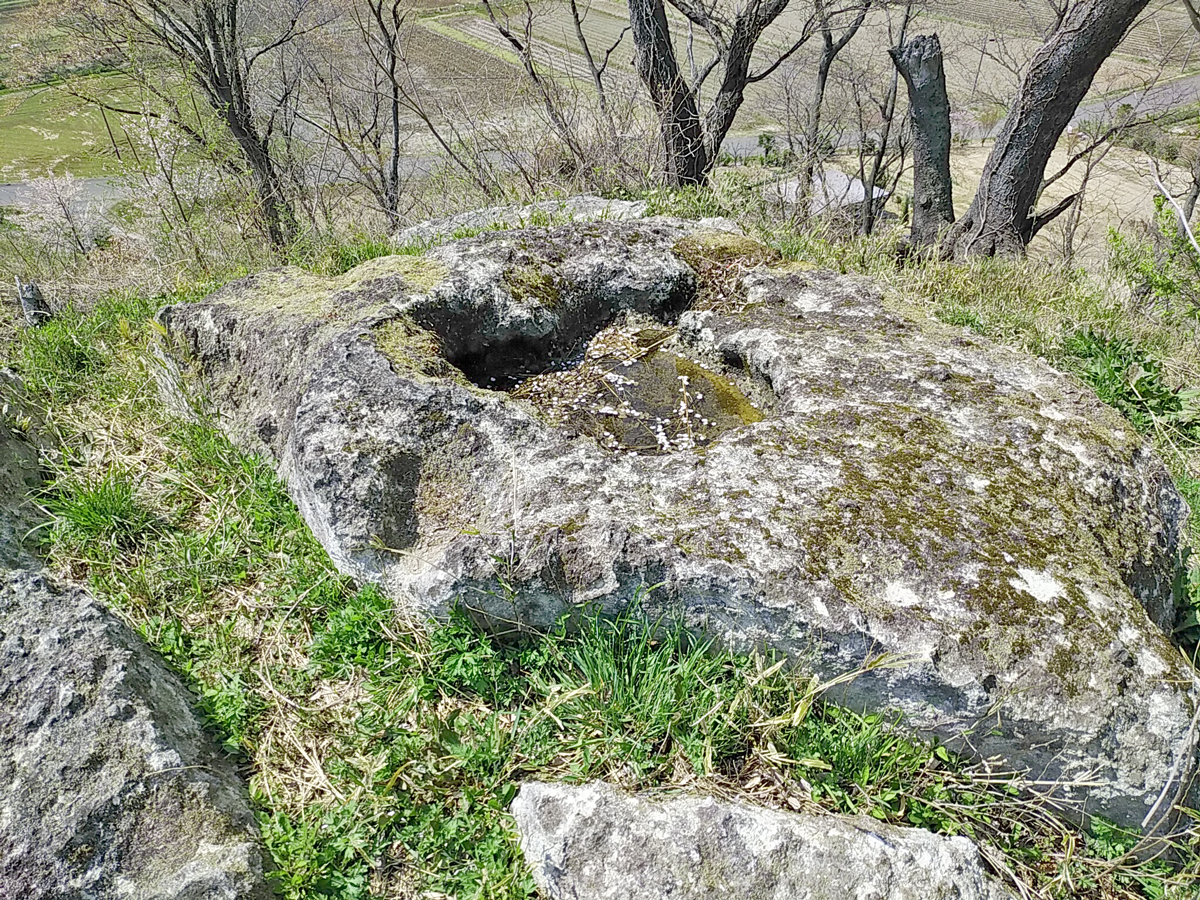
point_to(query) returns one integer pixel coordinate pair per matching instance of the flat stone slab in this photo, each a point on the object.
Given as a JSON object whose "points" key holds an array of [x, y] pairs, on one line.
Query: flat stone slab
{"points": [[108, 785], [531, 422], [591, 842]]}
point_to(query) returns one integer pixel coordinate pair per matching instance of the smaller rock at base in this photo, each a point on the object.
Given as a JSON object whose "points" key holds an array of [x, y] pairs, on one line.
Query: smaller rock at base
{"points": [[109, 787], [591, 841]]}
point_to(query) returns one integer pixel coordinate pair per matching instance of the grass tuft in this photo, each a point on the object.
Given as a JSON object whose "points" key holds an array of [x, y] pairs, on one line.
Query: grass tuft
{"points": [[342, 257], [104, 508]]}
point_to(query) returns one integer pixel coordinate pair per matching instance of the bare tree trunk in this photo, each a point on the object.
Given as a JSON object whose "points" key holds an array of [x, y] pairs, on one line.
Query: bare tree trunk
{"points": [[391, 40], [597, 71], [277, 214], [524, 46], [1001, 219], [919, 62], [693, 143], [1193, 194], [731, 93], [678, 113], [812, 133], [205, 38], [214, 46]]}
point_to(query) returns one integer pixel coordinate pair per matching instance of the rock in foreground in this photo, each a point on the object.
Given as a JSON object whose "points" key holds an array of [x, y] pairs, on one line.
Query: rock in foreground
{"points": [[529, 422], [110, 787], [591, 842]]}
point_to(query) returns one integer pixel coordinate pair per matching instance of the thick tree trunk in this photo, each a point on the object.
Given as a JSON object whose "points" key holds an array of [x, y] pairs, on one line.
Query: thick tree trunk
{"points": [[1001, 219], [732, 91], [919, 62], [688, 161], [277, 214]]}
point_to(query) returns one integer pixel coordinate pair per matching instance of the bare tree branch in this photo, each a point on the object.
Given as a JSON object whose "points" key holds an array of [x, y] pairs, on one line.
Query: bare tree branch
{"points": [[1180, 216]]}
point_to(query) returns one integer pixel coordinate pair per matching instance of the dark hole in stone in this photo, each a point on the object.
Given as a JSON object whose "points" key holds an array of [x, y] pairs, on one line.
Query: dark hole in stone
{"points": [[504, 367], [501, 355]]}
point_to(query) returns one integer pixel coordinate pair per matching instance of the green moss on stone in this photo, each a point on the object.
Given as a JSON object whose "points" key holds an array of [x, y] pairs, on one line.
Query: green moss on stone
{"points": [[706, 247], [900, 506], [1064, 665], [412, 351], [290, 291], [362, 292], [532, 283], [420, 272], [728, 396], [445, 498]]}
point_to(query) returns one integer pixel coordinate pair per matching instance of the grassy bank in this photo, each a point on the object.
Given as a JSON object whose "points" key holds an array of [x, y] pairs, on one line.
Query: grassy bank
{"points": [[382, 754]]}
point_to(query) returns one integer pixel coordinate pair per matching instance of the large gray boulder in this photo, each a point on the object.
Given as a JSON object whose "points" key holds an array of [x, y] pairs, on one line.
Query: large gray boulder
{"points": [[590, 842], [786, 461], [108, 785]]}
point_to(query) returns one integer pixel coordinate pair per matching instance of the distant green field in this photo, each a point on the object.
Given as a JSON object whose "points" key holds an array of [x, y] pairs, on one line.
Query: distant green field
{"points": [[9, 6], [46, 129]]}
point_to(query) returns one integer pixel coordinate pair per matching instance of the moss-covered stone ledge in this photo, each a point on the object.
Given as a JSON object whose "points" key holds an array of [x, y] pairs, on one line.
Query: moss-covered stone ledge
{"points": [[888, 486]]}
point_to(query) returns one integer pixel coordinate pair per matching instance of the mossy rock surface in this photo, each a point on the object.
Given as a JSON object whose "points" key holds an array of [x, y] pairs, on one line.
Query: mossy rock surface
{"points": [[20, 474], [875, 483]]}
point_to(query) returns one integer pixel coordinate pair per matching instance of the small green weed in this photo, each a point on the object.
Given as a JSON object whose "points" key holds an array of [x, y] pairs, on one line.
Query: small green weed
{"points": [[1187, 630], [321, 854], [1158, 264], [470, 231], [354, 633], [959, 316], [644, 696], [686, 203], [1129, 378], [1110, 843], [75, 351], [59, 360]]}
